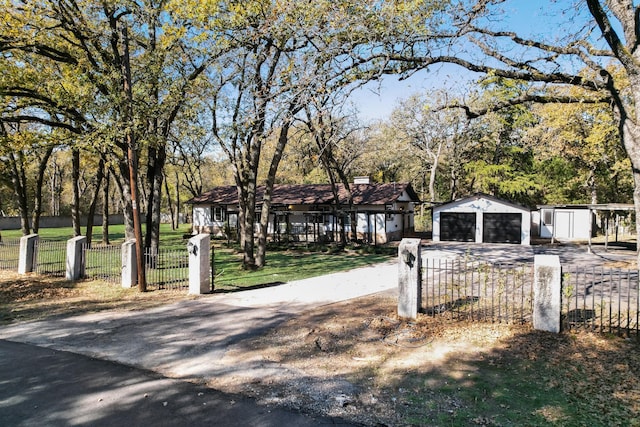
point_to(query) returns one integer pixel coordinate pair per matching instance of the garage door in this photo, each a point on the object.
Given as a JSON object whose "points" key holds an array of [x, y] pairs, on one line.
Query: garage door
{"points": [[458, 227], [502, 228]]}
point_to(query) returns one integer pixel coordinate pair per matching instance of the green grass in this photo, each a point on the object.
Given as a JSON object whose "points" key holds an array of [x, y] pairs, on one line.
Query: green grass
{"points": [[287, 265], [168, 236], [283, 263]]}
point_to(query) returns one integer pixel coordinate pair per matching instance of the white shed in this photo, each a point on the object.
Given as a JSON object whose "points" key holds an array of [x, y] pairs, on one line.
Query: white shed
{"points": [[565, 222], [577, 222], [482, 218]]}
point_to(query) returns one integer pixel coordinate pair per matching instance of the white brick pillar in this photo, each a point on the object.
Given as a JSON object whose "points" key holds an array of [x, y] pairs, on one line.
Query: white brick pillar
{"points": [[129, 264], [27, 256]]}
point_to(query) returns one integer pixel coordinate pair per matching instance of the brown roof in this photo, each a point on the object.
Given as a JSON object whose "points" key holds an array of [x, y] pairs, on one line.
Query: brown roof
{"points": [[312, 194]]}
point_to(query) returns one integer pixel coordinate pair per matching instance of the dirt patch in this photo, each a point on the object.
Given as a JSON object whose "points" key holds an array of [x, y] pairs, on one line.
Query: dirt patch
{"points": [[29, 297], [357, 360]]}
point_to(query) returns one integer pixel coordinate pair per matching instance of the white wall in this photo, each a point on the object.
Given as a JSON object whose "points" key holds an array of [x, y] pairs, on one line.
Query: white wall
{"points": [[568, 224], [202, 216]]}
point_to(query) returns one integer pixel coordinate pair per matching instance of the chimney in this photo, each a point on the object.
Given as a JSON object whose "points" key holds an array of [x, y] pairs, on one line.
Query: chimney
{"points": [[361, 180]]}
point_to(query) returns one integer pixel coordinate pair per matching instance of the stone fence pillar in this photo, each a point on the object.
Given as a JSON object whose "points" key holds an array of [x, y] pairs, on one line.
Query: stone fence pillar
{"points": [[409, 280], [75, 260], [27, 256], [199, 248], [129, 264], [547, 288]]}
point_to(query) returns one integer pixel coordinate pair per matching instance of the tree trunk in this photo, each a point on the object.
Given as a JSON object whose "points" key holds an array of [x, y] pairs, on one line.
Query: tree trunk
{"points": [[75, 177], [105, 208], [631, 139], [268, 192], [178, 207], [37, 202], [170, 203], [247, 212], [92, 207], [122, 184], [19, 180], [155, 168]]}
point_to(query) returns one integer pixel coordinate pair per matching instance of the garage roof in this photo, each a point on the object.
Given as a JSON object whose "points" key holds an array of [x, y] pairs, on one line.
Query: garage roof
{"points": [[479, 196]]}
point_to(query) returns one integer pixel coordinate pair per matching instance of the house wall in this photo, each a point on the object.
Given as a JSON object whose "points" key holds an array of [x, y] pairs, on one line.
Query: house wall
{"points": [[479, 206], [567, 224], [204, 222], [387, 227]]}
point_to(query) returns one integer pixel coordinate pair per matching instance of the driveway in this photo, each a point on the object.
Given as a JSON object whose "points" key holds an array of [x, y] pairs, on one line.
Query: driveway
{"points": [[568, 253], [45, 387], [188, 339]]}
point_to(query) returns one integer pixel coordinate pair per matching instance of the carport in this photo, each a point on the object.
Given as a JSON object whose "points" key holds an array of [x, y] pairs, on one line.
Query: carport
{"points": [[482, 219]]}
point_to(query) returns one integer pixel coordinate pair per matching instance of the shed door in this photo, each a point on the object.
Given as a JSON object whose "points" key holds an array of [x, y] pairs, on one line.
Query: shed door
{"points": [[502, 228], [458, 227]]}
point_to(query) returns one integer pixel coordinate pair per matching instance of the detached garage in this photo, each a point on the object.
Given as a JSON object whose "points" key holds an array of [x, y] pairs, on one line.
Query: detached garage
{"points": [[482, 218]]}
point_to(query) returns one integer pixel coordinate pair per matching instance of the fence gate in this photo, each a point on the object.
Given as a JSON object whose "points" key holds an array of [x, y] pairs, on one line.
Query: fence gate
{"points": [[167, 269], [103, 262]]}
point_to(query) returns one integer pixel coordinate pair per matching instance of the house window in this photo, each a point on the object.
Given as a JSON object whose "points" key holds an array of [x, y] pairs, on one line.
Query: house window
{"points": [[389, 214], [547, 217], [219, 214]]}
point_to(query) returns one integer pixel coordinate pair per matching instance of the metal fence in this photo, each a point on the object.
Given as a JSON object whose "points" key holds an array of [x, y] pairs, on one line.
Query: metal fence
{"points": [[471, 290], [167, 269], [601, 299], [103, 262], [594, 298], [51, 258], [9, 252]]}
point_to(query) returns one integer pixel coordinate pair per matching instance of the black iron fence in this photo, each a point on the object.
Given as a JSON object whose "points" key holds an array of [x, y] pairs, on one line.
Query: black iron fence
{"points": [[51, 258], [9, 253], [165, 269], [471, 290], [594, 298], [601, 299], [103, 262]]}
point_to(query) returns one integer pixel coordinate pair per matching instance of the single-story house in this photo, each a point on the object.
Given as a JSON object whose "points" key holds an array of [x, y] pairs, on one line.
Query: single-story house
{"points": [[309, 212], [482, 218], [578, 222]]}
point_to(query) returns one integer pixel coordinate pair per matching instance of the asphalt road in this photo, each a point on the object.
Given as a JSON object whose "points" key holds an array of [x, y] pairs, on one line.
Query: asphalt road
{"points": [[46, 387]]}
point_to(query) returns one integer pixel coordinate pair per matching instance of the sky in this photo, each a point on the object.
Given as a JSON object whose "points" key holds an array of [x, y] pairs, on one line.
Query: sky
{"points": [[376, 100]]}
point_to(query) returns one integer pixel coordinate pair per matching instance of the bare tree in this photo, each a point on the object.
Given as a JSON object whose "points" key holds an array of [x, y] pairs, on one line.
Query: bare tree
{"points": [[337, 143]]}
